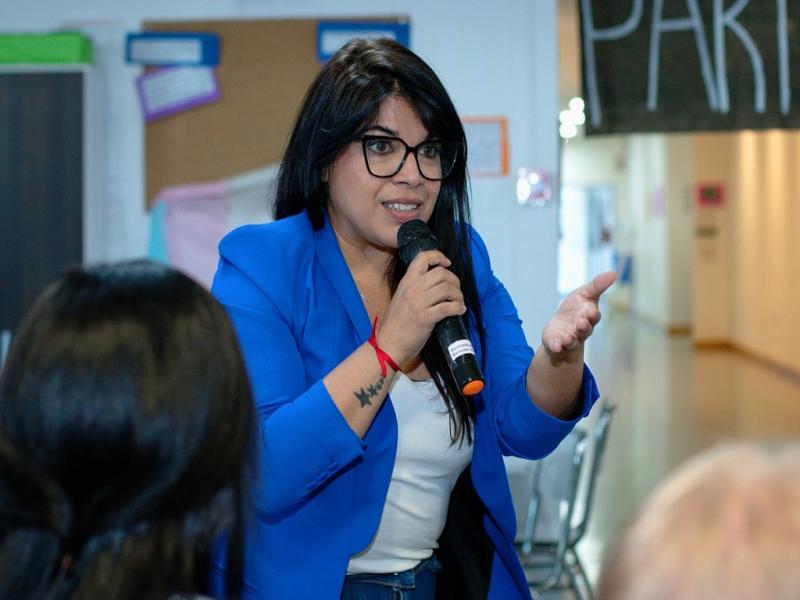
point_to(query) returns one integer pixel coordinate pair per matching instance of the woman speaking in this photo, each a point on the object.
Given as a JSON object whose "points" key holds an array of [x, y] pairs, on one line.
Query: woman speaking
{"points": [[377, 476]]}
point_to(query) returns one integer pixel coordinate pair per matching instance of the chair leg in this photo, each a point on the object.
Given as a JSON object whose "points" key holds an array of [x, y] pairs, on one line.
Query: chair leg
{"points": [[585, 586], [572, 578]]}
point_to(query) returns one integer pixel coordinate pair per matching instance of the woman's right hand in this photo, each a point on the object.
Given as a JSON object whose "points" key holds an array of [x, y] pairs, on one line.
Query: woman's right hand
{"points": [[426, 294]]}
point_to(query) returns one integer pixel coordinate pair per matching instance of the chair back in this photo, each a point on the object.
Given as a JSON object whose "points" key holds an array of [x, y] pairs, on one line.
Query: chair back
{"points": [[599, 442], [554, 500], [557, 485]]}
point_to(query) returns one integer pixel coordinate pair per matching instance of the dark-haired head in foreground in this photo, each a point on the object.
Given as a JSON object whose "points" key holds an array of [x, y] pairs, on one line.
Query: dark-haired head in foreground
{"points": [[125, 413]]}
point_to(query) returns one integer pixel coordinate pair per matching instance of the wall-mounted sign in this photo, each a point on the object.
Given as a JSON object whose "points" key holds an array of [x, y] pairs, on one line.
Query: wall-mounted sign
{"points": [[710, 195], [172, 49], [332, 35], [487, 146]]}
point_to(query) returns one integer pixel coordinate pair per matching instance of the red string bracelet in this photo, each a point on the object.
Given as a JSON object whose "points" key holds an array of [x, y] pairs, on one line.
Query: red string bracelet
{"points": [[383, 358]]}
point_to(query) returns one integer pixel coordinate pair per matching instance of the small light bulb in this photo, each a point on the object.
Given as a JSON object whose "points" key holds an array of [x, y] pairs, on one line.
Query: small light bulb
{"points": [[576, 104], [523, 190], [567, 130]]}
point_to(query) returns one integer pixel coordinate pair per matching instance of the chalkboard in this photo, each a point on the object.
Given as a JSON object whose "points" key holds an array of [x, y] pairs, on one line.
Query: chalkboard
{"points": [[655, 66], [41, 184]]}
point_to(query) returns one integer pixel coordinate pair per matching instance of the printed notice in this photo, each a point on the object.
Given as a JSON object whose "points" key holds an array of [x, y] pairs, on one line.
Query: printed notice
{"points": [[172, 49], [332, 35], [168, 91], [487, 145], [163, 51]]}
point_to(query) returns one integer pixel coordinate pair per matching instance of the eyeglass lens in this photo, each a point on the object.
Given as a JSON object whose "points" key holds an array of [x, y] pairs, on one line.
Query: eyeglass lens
{"points": [[384, 156]]}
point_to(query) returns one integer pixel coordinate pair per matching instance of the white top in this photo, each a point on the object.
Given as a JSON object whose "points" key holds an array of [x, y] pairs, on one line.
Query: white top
{"points": [[426, 468]]}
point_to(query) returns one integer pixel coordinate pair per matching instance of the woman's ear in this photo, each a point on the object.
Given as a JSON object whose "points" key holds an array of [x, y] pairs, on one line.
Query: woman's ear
{"points": [[325, 173]]}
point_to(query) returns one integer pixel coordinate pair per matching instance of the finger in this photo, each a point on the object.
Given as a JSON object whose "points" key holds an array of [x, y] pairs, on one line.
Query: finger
{"points": [[424, 261], [555, 344], [592, 314], [595, 288], [583, 327], [447, 309], [438, 275], [444, 292], [562, 343]]}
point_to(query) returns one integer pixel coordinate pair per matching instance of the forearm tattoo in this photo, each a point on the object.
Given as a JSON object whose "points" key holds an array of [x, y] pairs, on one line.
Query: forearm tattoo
{"points": [[364, 395]]}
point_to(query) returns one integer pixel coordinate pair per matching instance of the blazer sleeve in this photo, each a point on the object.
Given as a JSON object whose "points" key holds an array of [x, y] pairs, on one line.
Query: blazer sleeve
{"points": [[303, 438], [522, 428]]}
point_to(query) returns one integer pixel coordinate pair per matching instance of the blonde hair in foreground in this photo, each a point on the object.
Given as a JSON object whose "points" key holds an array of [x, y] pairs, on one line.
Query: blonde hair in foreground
{"points": [[724, 525]]}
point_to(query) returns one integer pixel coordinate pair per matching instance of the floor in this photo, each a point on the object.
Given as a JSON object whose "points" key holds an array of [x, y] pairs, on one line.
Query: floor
{"points": [[672, 401]]}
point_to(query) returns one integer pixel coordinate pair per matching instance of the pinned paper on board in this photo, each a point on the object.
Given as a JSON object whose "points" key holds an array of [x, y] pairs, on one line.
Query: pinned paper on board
{"points": [[487, 146], [173, 90], [332, 35], [172, 48]]}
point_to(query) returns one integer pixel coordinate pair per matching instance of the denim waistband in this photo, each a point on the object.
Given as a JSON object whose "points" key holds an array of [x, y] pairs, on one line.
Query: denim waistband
{"points": [[405, 580]]}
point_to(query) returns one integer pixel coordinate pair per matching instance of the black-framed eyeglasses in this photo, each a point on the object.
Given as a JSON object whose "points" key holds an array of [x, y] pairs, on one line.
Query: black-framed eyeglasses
{"points": [[386, 155]]}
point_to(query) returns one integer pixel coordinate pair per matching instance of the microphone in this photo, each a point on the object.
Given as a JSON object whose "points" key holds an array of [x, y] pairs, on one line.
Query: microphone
{"points": [[414, 237]]}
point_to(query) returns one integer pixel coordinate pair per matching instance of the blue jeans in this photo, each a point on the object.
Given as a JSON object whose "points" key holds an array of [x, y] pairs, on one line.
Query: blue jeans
{"points": [[418, 583]]}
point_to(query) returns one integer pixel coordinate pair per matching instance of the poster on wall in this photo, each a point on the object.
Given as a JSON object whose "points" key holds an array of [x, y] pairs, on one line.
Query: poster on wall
{"points": [[487, 146], [651, 66]]}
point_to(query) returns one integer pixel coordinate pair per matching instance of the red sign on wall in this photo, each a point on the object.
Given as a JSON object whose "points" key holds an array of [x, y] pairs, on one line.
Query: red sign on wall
{"points": [[710, 195]]}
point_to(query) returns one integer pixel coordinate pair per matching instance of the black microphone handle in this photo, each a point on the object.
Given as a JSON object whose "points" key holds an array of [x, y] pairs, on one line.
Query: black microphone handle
{"points": [[414, 237], [460, 354]]}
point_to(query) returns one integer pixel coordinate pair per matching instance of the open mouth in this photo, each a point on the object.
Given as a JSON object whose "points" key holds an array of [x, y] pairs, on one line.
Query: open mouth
{"points": [[402, 207]]}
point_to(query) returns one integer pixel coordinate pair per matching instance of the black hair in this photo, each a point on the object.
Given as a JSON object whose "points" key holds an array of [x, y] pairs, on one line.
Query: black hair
{"points": [[125, 416], [341, 104]]}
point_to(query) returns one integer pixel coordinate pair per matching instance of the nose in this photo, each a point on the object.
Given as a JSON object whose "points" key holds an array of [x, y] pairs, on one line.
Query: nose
{"points": [[409, 173]]}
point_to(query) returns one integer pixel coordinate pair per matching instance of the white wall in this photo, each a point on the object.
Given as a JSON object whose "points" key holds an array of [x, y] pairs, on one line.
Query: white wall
{"points": [[713, 243], [766, 264], [650, 232], [497, 59], [679, 185]]}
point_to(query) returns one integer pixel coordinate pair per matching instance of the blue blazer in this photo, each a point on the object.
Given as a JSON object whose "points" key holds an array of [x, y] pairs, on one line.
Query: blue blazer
{"points": [[320, 489]]}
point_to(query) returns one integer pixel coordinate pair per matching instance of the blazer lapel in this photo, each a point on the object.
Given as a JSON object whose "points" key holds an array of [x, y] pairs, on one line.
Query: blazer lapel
{"points": [[333, 264]]}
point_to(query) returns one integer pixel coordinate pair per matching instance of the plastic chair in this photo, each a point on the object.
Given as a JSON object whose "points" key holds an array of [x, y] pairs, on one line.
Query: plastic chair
{"points": [[553, 506], [545, 545]]}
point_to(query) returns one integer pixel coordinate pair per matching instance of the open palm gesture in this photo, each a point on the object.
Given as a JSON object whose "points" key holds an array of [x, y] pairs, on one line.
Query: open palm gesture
{"points": [[576, 317]]}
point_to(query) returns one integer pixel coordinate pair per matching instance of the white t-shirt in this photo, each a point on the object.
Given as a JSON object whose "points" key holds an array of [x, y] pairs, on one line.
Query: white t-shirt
{"points": [[426, 468]]}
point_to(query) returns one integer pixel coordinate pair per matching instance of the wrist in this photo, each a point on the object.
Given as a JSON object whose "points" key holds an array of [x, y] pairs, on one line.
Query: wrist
{"points": [[385, 359]]}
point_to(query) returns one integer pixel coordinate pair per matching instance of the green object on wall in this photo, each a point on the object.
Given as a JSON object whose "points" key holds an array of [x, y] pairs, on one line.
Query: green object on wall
{"points": [[47, 48]]}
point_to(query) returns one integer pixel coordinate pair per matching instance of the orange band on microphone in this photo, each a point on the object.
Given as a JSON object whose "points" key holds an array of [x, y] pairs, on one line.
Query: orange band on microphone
{"points": [[472, 387], [383, 357]]}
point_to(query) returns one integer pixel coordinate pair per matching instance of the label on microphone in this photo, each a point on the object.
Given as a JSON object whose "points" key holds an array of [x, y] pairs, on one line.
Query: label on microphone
{"points": [[460, 348]]}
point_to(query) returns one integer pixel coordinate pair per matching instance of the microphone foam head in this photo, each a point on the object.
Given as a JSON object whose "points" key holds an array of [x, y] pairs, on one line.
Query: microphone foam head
{"points": [[414, 237]]}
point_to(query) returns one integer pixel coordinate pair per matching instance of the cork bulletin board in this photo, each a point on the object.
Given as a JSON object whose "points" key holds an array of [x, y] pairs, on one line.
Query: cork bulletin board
{"points": [[264, 70]]}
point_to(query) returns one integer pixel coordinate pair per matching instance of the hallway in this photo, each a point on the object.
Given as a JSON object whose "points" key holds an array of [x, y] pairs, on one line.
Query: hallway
{"points": [[672, 402]]}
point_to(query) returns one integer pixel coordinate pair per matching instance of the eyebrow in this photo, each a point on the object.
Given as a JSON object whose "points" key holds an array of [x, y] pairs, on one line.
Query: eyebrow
{"points": [[383, 129], [393, 133]]}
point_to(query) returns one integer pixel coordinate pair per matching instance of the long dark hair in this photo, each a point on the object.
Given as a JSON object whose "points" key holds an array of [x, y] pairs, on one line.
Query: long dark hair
{"points": [[125, 413], [342, 103]]}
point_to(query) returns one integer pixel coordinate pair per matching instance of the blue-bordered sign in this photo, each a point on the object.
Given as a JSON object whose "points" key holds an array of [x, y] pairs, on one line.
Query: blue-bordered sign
{"points": [[172, 49], [332, 35]]}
